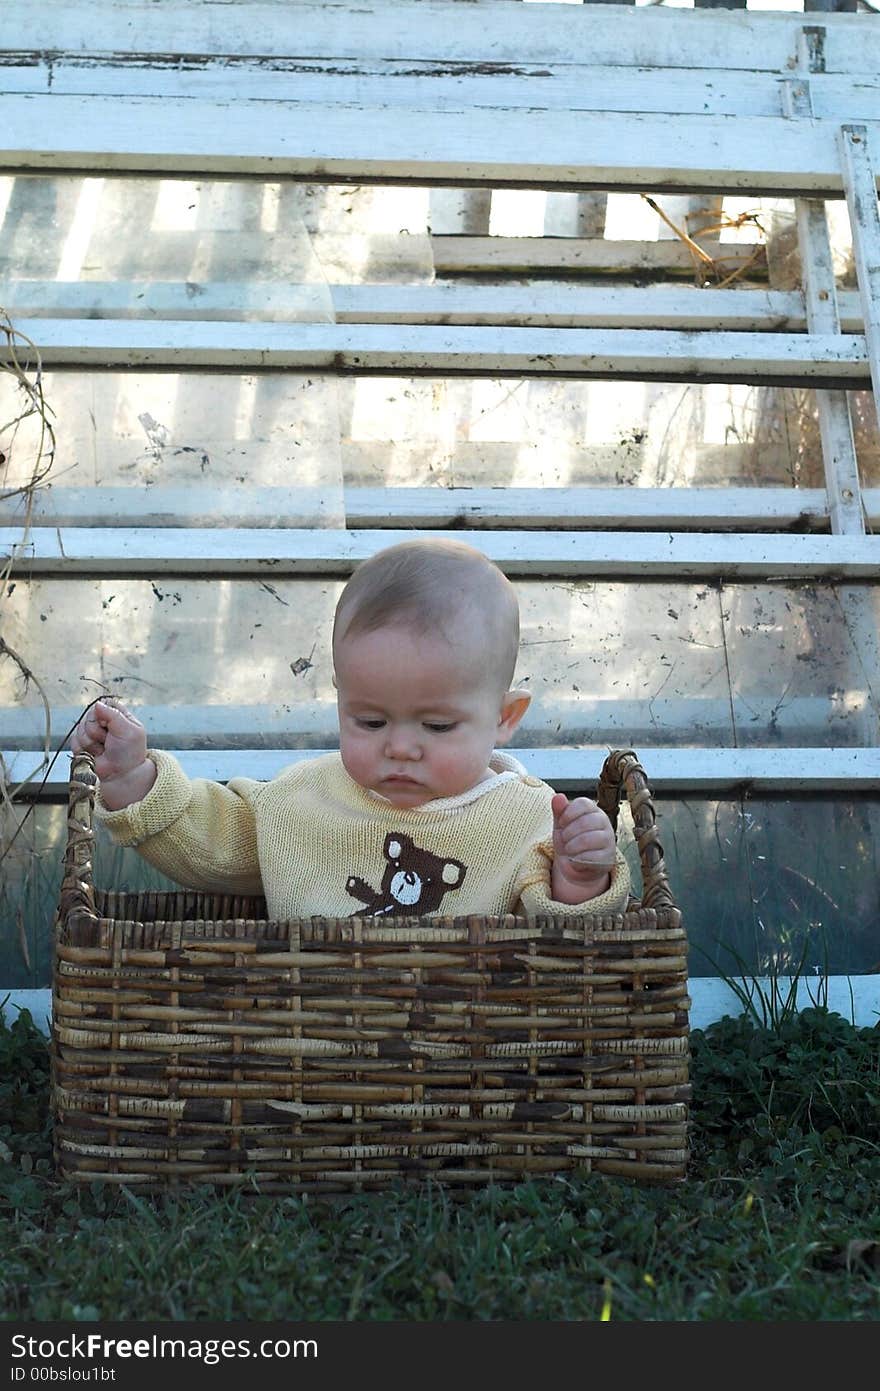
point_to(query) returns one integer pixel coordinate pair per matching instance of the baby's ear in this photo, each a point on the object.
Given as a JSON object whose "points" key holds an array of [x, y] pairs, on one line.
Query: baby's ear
{"points": [[514, 705]]}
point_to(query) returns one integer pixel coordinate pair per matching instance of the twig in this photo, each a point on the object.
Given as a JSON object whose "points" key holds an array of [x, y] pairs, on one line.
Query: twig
{"points": [[679, 231]]}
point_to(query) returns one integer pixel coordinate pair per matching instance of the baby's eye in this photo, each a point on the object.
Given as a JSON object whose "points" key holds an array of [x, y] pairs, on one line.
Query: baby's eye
{"points": [[440, 728], [370, 724]]}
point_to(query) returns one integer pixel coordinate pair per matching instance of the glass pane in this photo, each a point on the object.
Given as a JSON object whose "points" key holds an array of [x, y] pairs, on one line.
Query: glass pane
{"points": [[30, 882], [763, 883], [608, 663], [774, 883], [199, 660], [520, 432], [212, 438], [242, 235]]}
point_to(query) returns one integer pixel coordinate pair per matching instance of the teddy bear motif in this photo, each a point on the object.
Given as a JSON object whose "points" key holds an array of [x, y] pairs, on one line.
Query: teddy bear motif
{"points": [[414, 880]]}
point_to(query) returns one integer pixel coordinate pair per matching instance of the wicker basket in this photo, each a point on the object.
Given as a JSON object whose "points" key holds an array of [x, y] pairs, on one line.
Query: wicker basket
{"points": [[195, 1041]]}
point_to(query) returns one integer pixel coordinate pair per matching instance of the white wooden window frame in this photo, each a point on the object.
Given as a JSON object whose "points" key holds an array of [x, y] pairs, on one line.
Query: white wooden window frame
{"points": [[775, 121], [760, 103]]}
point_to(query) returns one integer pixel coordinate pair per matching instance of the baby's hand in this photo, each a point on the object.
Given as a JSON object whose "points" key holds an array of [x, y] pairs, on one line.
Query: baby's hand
{"points": [[584, 849], [118, 743]]}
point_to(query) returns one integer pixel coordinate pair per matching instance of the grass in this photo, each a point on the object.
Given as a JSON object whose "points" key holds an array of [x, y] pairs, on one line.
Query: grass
{"points": [[778, 1219]]}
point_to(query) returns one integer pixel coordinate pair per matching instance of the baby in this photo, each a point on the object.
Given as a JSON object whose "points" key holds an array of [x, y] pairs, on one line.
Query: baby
{"points": [[419, 812]]}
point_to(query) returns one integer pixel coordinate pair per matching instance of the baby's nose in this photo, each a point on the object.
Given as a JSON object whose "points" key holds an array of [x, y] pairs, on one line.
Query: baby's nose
{"points": [[402, 742]]}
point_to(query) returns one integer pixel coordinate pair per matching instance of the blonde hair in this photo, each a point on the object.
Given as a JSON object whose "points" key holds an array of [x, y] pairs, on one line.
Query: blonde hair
{"points": [[428, 586]]}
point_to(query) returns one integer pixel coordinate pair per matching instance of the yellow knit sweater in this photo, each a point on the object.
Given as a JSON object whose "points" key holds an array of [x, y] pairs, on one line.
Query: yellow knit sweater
{"points": [[316, 843]]}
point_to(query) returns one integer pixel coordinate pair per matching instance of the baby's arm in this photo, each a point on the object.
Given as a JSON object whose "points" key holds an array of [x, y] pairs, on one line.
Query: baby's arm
{"points": [[584, 850], [118, 743], [200, 833]]}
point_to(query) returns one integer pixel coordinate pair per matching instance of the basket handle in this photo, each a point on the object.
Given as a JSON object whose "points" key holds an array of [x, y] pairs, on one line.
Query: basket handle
{"points": [[622, 774], [77, 898]]}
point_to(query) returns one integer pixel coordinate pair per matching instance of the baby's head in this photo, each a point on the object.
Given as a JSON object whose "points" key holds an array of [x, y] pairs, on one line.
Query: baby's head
{"points": [[425, 643]]}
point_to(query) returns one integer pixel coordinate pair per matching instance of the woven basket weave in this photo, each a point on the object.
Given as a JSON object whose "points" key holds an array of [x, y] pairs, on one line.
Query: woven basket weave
{"points": [[195, 1041]]}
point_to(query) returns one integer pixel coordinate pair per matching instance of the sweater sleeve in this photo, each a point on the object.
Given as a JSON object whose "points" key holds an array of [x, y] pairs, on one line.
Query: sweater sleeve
{"points": [[201, 834], [535, 887]]}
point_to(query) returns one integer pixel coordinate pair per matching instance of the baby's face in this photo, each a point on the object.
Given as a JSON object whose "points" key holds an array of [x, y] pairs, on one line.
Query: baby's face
{"points": [[418, 718]]}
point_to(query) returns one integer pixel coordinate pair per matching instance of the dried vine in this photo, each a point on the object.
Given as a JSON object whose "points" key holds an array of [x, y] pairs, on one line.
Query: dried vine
{"points": [[20, 360], [707, 270]]}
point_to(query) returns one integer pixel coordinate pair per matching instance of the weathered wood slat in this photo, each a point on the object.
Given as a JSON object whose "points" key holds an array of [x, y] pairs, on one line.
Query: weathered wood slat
{"points": [[547, 508], [448, 32], [859, 155], [820, 294], [182, 551], [491, 255], [546, 303], [309, 724], [671, 770], [835, 425], [504, 147], [214, 299], [784, 359], [434, 87], [219, 505], [701, 509]]}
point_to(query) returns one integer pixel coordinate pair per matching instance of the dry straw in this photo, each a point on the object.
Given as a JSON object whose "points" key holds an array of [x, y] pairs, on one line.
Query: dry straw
{"points": [[195, 1041]]}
